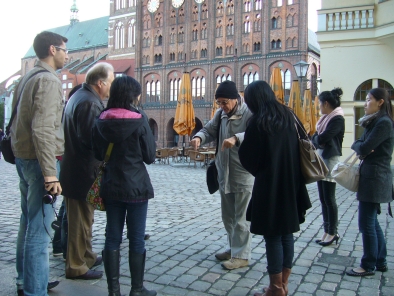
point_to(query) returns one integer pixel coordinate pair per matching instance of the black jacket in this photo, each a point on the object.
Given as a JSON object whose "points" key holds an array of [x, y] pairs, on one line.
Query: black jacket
{"points": [[279, 199], [125, 176], [331, 139], [79, 167], [376, 178]]}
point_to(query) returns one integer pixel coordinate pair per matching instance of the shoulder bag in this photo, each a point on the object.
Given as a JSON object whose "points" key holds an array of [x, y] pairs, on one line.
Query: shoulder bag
{"points": [[93, 197], [212, 171], [313, 167], [5, 143], [347, 173]]}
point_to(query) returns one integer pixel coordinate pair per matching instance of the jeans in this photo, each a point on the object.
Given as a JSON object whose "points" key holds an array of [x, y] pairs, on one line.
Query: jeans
{"points": [[234, 206], [374, 244], [136, 222], [32, 259], [280, 252], [329, 206]]}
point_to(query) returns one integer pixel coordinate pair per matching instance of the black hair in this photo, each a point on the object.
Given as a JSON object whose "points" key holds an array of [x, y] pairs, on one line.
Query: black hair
{"points": [[383, 94], [333, 98], [270, 115], [124, 92], [73, 90], [44, 40]]}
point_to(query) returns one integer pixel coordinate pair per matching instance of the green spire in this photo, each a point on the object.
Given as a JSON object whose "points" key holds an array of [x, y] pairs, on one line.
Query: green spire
{"points": [[74, 14]]}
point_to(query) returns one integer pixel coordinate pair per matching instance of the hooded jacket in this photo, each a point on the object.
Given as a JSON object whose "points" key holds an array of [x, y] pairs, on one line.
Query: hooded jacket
{"points": [[125, 176]]}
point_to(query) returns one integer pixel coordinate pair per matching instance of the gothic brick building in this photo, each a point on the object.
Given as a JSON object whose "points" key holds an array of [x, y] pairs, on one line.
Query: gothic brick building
{"points": [[215, 41]]}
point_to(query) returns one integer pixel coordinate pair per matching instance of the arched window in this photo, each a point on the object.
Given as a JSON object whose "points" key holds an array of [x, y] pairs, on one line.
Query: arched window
{"points": [[286, 78], [230, 28], [228, 77], [148, 92], [247, 25], [119, 36], [257, 23], [280, 3], [204, 53], [219, 31], [289, 21], [274, 23], [250, 77], [256, 46], [258, 5], [131, 34], [219, 8], [289, 2], [294, 42], [158, 91], [362, 90], [230, 7], [247, 6]]}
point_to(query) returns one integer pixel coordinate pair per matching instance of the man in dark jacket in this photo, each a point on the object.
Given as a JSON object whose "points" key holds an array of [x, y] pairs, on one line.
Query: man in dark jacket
{"points": [[79, 169]]}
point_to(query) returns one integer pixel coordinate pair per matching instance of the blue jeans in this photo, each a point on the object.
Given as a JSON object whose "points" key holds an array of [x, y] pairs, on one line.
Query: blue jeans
{"points": [[280, 252], [374, 244], [136, 222], [32, 259]]}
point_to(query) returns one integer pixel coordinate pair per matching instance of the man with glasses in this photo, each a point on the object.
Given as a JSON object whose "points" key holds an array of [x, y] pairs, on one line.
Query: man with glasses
{"points": [[37, 139], [235, 183], [79, 168]]}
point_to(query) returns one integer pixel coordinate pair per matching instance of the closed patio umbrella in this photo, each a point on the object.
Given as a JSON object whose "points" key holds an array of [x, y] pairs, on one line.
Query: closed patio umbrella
{"points": [[315, 113], [308, 111], [277, 86], [295, 100], [214, 106], [184, 121]]}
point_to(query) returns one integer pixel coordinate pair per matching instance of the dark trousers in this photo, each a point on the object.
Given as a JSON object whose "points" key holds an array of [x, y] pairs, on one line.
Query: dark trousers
{"points": [[59, 242], [280, 252], [329, 206], [374, 244], [136, 222]]}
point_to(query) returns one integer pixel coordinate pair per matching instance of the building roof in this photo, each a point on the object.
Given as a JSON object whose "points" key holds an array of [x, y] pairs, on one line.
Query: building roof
{"points": [[312, 42], [82, 35]]}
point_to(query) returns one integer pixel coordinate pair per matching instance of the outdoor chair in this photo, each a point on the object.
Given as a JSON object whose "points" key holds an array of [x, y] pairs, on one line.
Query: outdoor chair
{"points": [[162, 155], [173, 153], [195, 157]]}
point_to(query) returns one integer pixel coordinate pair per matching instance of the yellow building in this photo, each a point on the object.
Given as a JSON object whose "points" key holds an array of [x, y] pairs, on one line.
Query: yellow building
{"points": [[356, 40]]}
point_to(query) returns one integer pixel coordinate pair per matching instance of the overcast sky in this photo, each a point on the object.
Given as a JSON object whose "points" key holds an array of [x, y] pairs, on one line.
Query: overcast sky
{"points": [[21, 20]]}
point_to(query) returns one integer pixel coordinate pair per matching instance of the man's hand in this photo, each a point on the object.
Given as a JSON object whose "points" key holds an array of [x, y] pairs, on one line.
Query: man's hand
{"points": [[52, 185], [229, 143], [195, 143]]}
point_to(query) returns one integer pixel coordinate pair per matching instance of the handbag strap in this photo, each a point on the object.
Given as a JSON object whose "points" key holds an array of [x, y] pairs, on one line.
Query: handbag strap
{"points": [[218, 133], [7, 129], [108, 153]]}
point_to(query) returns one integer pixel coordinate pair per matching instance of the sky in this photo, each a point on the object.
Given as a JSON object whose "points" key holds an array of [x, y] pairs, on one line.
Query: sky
{"points": [[22, 20]]}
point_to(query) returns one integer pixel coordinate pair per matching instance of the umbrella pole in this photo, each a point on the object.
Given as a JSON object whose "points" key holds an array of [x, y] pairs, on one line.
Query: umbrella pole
{"points": [[183, 149]]}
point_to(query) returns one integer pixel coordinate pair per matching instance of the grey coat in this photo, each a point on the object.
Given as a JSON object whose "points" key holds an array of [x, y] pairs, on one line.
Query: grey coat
{"points": [[232, 176], [376, 179]]}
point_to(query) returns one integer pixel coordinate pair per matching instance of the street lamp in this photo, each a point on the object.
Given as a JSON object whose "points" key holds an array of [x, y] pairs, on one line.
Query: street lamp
{"points": [[301, 68]]}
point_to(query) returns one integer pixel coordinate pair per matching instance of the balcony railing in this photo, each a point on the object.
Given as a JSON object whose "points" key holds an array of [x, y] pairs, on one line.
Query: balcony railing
{"points": [[346, 19]]}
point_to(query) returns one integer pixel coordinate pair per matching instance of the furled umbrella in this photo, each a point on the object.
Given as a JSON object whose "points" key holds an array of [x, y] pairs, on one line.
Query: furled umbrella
{"points": [[307, 110], [214, 105], [184, 121], [277, 86], [315, 114], [295, 100]]}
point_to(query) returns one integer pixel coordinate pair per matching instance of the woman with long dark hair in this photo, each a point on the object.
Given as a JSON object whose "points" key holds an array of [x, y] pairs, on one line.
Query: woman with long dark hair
{"points": [[375, 149], [328, 142], [125, 186], [279, 201]]}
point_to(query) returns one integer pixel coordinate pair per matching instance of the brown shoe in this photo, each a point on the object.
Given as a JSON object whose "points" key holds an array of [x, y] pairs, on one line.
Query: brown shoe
{"points": [[223, 256], [90, 275], [235, 263]]}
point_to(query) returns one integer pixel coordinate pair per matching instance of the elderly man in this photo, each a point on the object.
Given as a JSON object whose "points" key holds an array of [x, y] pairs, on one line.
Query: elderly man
{"points": [[79, 168], [235, 183], [37, 138]]}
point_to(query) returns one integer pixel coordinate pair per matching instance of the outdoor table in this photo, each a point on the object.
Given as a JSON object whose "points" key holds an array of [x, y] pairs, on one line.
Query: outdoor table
{"points": [[207, 155]]}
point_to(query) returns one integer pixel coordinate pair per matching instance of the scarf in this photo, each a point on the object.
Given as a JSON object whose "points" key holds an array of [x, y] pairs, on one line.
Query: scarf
{"points": [[321, 125], [367, 119]]}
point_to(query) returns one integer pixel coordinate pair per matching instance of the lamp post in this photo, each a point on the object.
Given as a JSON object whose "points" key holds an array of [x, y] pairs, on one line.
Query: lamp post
{"points": [[301, 68]]}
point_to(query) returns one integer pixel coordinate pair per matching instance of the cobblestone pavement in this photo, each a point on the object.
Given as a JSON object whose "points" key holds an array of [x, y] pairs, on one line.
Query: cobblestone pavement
{"points": [[184, 222]]}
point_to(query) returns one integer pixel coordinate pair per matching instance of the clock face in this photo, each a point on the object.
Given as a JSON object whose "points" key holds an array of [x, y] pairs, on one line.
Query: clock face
{"points": [[153, 5], [199, 1], [177, 3]]}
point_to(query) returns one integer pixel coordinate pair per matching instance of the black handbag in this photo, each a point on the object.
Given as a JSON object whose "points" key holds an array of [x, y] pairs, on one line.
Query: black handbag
{"points": [[5, 144], [212, 171]]}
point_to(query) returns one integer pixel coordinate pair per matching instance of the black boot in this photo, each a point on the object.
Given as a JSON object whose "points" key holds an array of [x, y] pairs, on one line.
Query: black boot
{"points": [[137, 268], [111, 260]]}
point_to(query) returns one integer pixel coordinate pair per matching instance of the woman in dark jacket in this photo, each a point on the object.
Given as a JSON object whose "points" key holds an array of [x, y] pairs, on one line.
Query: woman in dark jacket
{"points": [[375, 148], [328, 141], [279, 199], [125, 186]]}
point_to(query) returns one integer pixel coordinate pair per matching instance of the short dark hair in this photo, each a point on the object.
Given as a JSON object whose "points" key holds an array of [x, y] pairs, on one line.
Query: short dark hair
{"points": [[383, 94], [44, 40], [124, 92], [333, 98]]}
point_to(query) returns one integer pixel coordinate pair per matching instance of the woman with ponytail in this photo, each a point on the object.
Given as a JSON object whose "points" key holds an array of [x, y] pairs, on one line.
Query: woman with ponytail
{"points": [[328, 142]]}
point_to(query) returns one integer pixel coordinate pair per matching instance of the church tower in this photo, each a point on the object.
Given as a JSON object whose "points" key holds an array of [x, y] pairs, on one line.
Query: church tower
{"points": [[74, 14]]}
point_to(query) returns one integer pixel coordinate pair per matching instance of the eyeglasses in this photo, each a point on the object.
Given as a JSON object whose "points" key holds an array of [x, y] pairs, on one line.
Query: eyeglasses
{"points": [[222, 103], [105, 83], [60, 48]]}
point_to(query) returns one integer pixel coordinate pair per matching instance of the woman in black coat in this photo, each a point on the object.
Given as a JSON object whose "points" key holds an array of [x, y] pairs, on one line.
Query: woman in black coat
{"points": [[125, 186], [375, 148], [279, 200], [328, 141]]}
